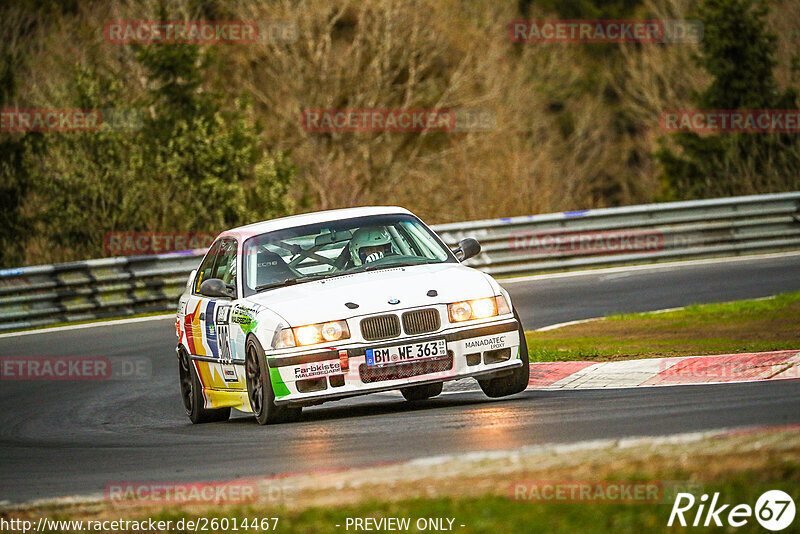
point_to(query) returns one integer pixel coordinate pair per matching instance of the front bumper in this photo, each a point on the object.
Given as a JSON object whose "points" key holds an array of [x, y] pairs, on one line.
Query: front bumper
{"points": [[485, 349]]}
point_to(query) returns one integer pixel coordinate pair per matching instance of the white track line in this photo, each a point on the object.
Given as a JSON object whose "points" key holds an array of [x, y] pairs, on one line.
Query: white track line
{"points": [[88, 325], [647, 267], [592, 319]]}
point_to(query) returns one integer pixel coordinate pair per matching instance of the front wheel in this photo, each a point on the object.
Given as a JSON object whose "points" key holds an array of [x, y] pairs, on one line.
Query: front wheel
{"points": [[192, 394], [517, 381], [422, 392], [259, 389]]}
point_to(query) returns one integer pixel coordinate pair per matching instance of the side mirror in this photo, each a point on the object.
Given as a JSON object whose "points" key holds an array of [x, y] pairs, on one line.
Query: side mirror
{"points": [[467, 248], [214, 287]]}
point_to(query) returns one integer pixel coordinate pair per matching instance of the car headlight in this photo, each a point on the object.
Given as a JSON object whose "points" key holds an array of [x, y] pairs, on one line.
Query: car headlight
{"points": [[312, 334], [478, 309]]}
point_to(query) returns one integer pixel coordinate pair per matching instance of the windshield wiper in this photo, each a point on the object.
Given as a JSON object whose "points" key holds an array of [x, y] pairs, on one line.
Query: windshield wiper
{"points": [[289, 282], [393, 265]]}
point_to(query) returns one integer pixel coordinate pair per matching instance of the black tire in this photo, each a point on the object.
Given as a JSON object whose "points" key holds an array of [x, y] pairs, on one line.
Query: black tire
{"points": [[192, 394], [259, 389], [422, 392], [517, 381]]}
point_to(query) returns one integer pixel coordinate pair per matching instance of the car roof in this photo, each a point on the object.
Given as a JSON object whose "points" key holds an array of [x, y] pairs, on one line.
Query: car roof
{"points": [[291, 221]]}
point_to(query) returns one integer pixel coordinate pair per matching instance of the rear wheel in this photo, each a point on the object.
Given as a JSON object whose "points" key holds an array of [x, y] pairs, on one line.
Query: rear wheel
{"points": [[422, 392], [192, 394], [515, 382], [259, 389]]}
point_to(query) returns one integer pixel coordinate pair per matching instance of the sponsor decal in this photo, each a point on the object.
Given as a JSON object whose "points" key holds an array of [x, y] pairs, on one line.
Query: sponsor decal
{"points": [[229, 373], [223, 332], [244, 317], [487, 343], [210, 329], [311, 370]]}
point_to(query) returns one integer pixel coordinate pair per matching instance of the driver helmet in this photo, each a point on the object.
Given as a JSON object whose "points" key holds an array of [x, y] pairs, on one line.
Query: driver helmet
{"points": [[370, 243]]}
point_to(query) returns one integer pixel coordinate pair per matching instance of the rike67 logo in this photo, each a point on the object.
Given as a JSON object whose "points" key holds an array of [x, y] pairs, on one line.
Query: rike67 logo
{"points": [[774, 510]]}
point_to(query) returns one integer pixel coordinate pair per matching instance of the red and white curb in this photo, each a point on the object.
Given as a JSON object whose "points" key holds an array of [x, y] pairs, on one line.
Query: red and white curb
{"points": [[784, 364]]}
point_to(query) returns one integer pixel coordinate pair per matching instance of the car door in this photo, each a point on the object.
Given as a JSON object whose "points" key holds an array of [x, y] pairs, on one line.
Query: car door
{"points": [[207, 320], [194, 305]]}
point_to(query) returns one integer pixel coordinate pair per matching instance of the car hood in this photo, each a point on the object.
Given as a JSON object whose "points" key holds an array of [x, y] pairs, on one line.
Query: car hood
{"points": [[324, 300]]}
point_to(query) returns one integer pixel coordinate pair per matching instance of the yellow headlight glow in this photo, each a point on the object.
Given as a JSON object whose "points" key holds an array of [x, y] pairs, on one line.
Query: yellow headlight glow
{"points": [[478, 309], [312, 334], [483, 308], [308, 335]]}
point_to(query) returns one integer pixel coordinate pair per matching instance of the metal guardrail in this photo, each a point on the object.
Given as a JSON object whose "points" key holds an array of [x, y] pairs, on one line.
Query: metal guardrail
{"points": [[113, 287]]}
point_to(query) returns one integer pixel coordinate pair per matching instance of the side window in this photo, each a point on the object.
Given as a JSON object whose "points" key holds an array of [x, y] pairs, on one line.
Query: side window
{"points": [[225, 267], [206, 268]]}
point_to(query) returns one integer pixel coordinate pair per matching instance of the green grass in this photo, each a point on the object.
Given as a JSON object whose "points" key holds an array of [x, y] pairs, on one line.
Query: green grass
{"points": [[492, 514], [745, 326], [724, 311]]}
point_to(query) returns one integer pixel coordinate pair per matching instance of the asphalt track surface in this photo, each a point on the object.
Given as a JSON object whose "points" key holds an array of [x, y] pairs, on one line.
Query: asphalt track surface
{"points": [[66, 438]]}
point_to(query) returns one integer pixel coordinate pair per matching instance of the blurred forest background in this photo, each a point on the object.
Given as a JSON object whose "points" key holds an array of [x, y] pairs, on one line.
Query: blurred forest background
{"points": [[220, 142]]}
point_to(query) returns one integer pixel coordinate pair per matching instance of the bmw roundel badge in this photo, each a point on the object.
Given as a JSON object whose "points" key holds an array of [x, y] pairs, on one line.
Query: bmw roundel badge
{"points": [[394, 301]]}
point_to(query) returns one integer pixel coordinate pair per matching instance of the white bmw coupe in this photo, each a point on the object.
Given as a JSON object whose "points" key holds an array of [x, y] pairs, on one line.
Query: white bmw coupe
{"points": [[301, 310]]}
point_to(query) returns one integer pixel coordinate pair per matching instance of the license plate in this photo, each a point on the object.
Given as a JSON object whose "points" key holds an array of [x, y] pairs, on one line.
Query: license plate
{"points": [[406, 353]]}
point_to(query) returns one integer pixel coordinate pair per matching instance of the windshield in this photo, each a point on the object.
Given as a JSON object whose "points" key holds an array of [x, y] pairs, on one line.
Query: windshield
{"points": [[323, 250]]}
